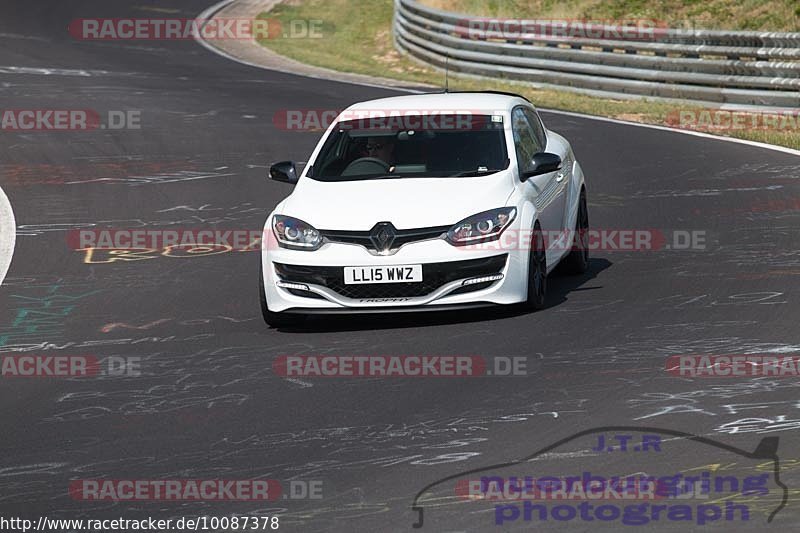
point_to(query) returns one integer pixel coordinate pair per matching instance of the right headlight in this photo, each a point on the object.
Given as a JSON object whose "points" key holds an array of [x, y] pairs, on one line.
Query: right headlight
{"points": [[482, 227], [295, 234]]}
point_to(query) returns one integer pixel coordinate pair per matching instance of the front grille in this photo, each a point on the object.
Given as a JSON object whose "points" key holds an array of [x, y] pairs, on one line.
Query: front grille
{"points": [[402, 236], [434, 275]]}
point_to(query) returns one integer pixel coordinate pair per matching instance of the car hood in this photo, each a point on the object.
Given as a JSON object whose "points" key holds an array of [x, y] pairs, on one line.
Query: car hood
{"points": [[405, 202]]}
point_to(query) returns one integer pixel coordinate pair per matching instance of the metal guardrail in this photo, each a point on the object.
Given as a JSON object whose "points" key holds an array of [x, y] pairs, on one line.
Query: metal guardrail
{"points": [[725, 67]]}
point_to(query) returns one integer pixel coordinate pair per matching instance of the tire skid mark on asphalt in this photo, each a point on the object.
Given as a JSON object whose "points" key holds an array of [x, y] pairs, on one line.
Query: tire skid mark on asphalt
{"points": [[205, 380], [4, 69]]}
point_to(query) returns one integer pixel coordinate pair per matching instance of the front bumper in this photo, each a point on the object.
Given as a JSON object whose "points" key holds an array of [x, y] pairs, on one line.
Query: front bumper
{"points": [[312, 282]]}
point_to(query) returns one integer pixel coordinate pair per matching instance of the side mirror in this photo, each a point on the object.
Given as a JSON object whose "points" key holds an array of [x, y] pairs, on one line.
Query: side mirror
{"points": [[542, 163], [284, 171]]}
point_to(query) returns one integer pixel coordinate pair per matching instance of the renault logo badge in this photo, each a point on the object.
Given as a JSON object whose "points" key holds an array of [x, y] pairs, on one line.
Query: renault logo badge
{"points": [[382, 236]]}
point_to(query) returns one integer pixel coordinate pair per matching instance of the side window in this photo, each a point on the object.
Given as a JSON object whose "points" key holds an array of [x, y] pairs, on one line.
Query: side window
{"points": [[538, 127], [525, 142]]}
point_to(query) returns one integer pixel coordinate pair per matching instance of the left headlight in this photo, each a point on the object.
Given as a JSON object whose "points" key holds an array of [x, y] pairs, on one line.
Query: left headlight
{"points": [[486, 226], [295, 234]]}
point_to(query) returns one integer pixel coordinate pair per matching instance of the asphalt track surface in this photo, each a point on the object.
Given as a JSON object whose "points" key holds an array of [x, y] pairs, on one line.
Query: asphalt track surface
{"points": [[207, 404]]}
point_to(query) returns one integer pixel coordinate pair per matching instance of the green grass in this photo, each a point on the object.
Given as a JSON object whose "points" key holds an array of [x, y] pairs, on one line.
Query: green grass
{"points": [[356, 37], [767, 15]]}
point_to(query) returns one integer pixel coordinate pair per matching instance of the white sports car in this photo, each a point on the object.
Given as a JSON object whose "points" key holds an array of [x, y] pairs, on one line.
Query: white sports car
{"points": [[425, 202]]}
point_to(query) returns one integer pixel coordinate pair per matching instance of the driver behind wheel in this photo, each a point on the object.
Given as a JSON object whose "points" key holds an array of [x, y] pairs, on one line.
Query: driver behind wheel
{"points": [[381, 148]]}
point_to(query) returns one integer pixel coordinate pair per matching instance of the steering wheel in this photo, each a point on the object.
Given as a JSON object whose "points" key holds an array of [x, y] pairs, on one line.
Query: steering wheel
{"points": [[366, 165]]}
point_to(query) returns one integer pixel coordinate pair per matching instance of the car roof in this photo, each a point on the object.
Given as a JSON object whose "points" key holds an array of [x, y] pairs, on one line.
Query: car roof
{"points": [[488, 101]]}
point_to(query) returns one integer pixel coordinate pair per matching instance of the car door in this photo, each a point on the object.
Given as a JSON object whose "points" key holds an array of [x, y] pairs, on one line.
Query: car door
{"points": [[563, 178], [541, 190]]}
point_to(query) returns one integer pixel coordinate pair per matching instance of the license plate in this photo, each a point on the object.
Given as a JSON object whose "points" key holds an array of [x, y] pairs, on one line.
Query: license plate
{"points": [[383, 274]]}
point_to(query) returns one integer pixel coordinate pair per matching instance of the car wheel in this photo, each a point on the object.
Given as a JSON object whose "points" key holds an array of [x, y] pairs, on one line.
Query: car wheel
{"points": [[577, 261], [275, 320], [537, 271]]}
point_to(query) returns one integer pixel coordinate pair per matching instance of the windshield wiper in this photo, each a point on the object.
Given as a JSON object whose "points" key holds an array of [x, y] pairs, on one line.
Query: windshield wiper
{"points": [[385, 177], [469, 173]]}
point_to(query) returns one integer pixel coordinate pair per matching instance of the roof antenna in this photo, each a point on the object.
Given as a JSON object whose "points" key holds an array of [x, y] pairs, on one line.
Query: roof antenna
{"points": [[446, 74]]}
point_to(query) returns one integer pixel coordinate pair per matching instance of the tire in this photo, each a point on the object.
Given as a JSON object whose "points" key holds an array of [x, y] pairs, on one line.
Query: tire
{"points": [[537, 272], [577, 261], [275, 320]]}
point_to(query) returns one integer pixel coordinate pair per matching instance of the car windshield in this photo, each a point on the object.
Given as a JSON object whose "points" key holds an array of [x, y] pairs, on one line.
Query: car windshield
{"points": [[412, 146]]}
